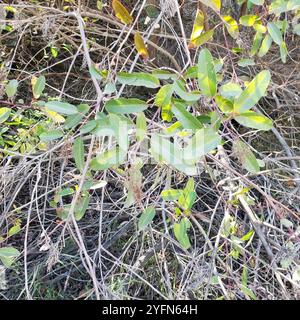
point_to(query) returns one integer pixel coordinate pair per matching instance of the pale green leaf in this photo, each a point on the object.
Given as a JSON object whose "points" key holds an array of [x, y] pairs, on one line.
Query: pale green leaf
{"points": [[61, 107], [124, 106], [11, 88], [138, 79], [8, 255], [51, 135], [146, 218], [78, 153]]}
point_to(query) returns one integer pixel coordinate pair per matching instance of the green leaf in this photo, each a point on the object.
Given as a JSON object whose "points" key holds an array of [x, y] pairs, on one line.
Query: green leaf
{"points": [[164, 151], [265, 46], [231, 26], [254, 91], [124, 106], [107, 159], [141, 126], [230, 90], [245, 62], [248, 20], [8, 255], [4, 114], [198, 26], [203, 142], [246, 156], [61, 107], [256, 43], [275, 33], [283, 51], [207, 80], [203, 38], [88, 127], [14, 230], [146, 218], [225, 105], [81, 207], [180, 90], [66, 192], [163, 100], [51, 135], [164, 74], [248, 292], [95, 72], [74, 119], [11, 88], [138, 79], [39, 87], [257, 2], [78, 153], [254, 120], [186, 118], [180, 232], [171, 194]]}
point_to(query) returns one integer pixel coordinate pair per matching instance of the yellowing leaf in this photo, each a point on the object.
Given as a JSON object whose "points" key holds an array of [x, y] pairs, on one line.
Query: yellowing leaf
{"points": [[231, 26], [121, 12], [140, 46], [197, 28], [214, 4], [56, 117]]}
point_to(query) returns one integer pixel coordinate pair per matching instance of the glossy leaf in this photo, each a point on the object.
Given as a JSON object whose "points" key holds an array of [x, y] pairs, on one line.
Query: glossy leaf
{"points": [[163, 100], [265, 46], [254, 120], [180, 90], [187, 120], [203, 38], [254, 91], [140, 46], [206, 73], [197, 27], [121, 12]]}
